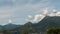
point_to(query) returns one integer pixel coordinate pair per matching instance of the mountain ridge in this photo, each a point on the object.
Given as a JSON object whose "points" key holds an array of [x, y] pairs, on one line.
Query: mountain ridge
{"points": [[43, 25]]}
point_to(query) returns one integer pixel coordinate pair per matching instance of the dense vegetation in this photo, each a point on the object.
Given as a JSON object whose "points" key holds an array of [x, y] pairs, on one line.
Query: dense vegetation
{"points": [[53, 31]]}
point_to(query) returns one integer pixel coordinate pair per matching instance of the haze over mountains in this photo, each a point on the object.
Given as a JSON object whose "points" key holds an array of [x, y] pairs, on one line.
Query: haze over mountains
{"points": [[45, 12], [9, 26], [42, 23], [41, 26]]}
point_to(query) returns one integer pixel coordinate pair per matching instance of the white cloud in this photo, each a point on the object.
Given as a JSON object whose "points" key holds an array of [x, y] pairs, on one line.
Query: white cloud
{"points": [[45, 11], [58, 14], [29, 18], [21, 8], [36, 18], [10, 21], [54, 10], [39, 17], [55, 13]]}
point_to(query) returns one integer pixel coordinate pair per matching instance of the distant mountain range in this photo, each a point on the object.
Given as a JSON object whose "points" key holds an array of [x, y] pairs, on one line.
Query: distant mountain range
{"points": [[48, 22], [9, 27], [41, 26]]}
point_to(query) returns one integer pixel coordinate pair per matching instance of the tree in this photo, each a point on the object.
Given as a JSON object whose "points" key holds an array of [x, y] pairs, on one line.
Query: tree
{"points": [[27, 28], [6, 32], [53, 31]]}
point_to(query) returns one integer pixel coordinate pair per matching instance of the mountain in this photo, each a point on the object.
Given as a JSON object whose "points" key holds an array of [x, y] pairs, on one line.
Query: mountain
{"points": [[48, 22], [1, 27], [23, 26], [41, 26], [9, 27]]}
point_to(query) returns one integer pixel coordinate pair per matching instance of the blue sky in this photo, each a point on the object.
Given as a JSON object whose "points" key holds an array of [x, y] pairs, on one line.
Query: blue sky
{"points": [[18, 10]]}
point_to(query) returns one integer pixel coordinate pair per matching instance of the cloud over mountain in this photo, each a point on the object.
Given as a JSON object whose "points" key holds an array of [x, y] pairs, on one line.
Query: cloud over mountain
{"points": [[38, 17], [19, 9]]}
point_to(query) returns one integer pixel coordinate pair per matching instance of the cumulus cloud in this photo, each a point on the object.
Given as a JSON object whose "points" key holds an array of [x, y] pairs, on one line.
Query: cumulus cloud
{"points": [[54, 13], [58, 14], [10, 21], [54, 10], [29, 18], [45, 11], [38, 17]]}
